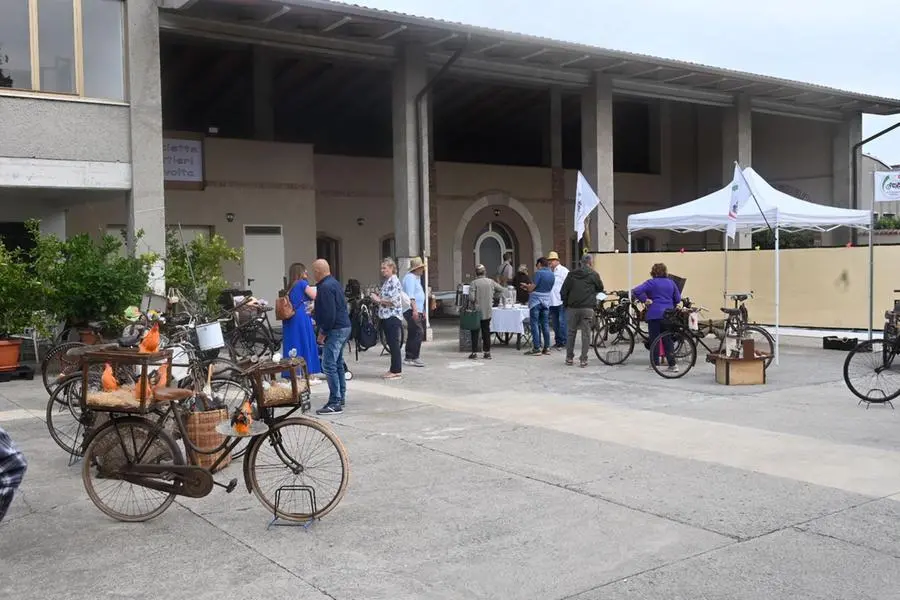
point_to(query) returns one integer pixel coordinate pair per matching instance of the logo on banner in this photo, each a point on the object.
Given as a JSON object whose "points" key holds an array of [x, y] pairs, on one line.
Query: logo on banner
{"points": [[890, 187]]}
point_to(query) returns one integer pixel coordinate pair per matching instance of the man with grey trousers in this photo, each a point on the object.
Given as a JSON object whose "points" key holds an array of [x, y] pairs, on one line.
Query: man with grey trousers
{"points": [[579, 296]]}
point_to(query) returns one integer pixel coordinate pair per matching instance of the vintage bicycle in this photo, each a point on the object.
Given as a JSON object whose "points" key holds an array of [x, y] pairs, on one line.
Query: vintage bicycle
{"points": [[871, 370], [683, 334], [133, 469]]}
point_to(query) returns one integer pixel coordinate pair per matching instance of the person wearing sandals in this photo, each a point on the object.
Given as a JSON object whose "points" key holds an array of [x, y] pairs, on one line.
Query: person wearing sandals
{"points": [[390, 312], [579, 296], [483, 289], [660, 294]]}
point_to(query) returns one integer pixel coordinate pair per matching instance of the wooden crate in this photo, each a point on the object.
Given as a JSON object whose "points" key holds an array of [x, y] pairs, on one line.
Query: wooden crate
{"points": [[740, 371]]}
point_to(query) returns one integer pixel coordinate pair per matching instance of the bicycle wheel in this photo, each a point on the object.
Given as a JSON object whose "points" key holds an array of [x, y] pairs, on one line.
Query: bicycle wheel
{"points": [[762, 341], [299, 451], [246, 343], [65, 418], [641, 327], [56, 365], [683, 355], [119, 443], [613, 348], [872, 372]]}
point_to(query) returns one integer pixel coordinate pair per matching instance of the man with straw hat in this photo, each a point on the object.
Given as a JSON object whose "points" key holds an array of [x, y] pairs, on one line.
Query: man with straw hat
{"points": [[414, 294]]}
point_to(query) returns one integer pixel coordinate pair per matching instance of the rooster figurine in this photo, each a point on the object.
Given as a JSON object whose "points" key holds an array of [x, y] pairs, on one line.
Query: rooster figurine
{"points": [[241, 419], [160, 377], [108, 379], [142, 389], [150, 343]]}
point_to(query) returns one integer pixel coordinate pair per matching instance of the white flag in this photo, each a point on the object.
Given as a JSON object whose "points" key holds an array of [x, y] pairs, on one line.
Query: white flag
{"points": [[740, 193], [585, 201]]}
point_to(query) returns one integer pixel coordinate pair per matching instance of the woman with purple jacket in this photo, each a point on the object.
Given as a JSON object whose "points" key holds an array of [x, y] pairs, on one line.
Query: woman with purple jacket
{"points": [[660, 294]]}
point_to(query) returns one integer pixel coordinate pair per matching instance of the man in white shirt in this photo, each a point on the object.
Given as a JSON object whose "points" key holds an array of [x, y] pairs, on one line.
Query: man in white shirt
{"points": [[505, 272], [557, 310]]}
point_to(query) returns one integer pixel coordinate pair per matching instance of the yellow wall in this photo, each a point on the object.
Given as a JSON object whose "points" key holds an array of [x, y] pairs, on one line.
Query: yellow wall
{"points": [[820, 287]]}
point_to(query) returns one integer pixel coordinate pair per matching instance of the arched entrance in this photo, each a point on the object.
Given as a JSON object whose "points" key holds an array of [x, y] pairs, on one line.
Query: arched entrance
{"points": [[493, 244], [475, 240]]}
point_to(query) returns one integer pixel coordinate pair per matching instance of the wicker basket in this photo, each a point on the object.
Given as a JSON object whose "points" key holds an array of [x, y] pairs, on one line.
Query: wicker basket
{"points": [[201, 430]]}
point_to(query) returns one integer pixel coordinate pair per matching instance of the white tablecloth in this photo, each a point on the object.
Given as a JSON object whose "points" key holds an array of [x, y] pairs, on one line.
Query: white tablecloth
{"points": [[508, 320]]}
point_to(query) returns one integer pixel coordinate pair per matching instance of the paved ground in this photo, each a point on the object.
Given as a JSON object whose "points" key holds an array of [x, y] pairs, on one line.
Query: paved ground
{"points": [[520, 478]]}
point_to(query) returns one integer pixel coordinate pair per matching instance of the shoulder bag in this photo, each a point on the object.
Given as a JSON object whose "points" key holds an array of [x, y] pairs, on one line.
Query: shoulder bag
{"points": [[470, 317]]}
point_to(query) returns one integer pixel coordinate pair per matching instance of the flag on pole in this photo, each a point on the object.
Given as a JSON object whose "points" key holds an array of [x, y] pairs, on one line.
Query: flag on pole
{"points": [[740, 193], [586, 200]]}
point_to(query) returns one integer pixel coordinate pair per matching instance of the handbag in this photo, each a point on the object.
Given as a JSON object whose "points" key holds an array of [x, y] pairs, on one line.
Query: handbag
{"points": [[470, 317], [284, 310]]}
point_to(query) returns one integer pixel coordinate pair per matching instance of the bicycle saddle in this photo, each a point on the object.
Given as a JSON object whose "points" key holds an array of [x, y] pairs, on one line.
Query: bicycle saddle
{"points": [[740, 297], [171, 394], [731, 311]]}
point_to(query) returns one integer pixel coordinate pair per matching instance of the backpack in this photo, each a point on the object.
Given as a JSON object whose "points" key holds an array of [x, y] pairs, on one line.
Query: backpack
{"points": [[366, 333]]}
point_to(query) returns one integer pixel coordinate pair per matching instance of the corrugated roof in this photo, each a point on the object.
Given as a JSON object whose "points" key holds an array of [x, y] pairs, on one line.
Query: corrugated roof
{"points": [[579, 47]]}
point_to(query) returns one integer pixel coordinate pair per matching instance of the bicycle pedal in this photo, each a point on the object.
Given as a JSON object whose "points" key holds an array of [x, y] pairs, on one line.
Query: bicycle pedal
{"points": [[229, 487]]}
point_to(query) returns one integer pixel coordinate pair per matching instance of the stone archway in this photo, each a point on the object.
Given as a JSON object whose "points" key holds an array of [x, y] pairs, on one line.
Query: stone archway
{"points": [[485, 200]]}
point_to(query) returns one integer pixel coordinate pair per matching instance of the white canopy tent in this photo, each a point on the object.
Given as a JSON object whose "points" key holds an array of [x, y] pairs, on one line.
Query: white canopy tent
{"points": [[771, 208]]}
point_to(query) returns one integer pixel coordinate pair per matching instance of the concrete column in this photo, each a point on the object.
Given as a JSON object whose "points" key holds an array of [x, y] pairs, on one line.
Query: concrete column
{"points": [[561, 233], [737, 145], [146, 200], [434, 246], [847, 133], [597, 158], [263, 113], [409, 77]]}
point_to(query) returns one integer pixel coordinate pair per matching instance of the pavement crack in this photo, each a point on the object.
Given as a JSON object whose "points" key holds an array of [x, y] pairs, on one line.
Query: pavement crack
{"points": [[247, 546], [851, 543]]}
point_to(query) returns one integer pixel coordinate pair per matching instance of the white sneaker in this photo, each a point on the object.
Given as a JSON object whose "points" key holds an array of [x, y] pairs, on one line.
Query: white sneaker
{"points": [[673, 369]]}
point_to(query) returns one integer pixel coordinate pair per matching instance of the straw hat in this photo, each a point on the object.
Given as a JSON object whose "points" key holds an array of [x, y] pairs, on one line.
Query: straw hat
{"points": [[553, 256], [416, 263]]}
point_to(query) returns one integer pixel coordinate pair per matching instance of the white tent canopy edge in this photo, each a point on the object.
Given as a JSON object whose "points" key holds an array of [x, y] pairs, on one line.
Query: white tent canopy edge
{"points": [[773, 209]]}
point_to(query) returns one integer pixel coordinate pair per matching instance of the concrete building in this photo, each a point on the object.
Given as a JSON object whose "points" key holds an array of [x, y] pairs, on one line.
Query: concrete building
{"points": [[304, 128]]}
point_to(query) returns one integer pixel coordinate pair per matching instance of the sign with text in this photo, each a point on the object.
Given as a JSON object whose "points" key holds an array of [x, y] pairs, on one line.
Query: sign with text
{"points": [[887, 186], [183, 160]]}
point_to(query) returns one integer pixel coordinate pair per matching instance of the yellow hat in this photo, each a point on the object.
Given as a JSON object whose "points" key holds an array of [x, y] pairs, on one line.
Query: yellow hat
{"points": [[553, 256], [416, 263]]}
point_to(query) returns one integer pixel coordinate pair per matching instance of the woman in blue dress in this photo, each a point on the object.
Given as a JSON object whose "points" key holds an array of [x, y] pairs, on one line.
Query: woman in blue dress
{"points": [[298, 331]]}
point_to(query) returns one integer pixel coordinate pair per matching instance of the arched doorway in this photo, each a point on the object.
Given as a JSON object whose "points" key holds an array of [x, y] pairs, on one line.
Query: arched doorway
{"points": [[491, 207], [492, 245]]}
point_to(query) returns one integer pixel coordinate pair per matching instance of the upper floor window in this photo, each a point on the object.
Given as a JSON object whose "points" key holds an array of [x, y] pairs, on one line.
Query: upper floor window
{"points": [[72, 47]]}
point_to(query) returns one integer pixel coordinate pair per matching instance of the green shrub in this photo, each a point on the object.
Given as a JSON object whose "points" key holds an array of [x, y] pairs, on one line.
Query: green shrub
{"points": [[207, 256]]}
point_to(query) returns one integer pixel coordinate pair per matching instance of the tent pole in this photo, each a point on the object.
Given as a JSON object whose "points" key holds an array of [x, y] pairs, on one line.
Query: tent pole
{"points": [[871, 270], [725, 289], [629, 265], [777, 291]]}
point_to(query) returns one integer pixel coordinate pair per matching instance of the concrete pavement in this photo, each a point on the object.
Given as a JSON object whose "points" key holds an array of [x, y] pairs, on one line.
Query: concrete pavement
{"points": [[518, 478]]}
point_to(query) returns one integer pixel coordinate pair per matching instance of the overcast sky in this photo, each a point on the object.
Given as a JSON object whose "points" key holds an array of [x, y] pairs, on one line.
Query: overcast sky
{"points": [[851, 45]]}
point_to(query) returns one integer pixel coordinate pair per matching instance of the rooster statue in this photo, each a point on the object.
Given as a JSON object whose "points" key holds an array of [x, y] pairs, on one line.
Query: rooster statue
{"points": [[150, 343], [108, 379], [241, 419]]}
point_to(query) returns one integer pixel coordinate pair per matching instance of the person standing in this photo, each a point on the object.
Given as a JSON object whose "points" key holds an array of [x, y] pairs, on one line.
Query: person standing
{"points": [[660, 294], [12, 469], [539, 306], [334, 330], [505, 271], [579, 296], [298, 331], [390, 311], [557, 309], [483, 290], [414, 315], [519, 278]]}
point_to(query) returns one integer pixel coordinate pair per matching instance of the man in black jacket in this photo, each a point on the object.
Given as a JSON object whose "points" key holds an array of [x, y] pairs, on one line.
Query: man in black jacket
{"points": [[579, 296]]}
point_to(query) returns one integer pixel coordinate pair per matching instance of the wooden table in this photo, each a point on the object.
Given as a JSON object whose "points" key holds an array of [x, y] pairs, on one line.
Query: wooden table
{"points": [[740, 371]]}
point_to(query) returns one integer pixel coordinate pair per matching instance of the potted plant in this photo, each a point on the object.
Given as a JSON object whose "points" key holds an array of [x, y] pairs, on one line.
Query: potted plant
{"points": [[89, 279], [195, 268], [19, 291]]}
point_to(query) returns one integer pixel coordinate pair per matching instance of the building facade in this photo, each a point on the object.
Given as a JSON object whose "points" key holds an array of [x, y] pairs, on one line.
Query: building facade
{"points": [[304, 128]]}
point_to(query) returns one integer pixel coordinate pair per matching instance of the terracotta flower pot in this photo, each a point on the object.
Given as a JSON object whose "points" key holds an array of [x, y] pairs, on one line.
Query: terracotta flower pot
{"points": [[88, 337], [9, 354]]}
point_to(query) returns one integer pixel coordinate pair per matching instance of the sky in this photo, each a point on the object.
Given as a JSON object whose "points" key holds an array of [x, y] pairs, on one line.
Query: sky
{"points": [[838, 43]]}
